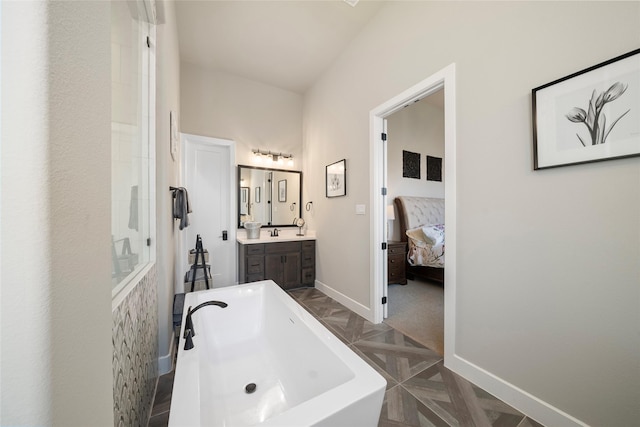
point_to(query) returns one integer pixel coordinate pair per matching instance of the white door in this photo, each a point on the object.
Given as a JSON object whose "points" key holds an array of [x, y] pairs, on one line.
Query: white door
{"points": [[208, 175]]}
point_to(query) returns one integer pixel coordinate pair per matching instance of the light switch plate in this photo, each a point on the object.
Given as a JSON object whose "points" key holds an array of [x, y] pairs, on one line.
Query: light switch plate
{"points": [[361, 210]]}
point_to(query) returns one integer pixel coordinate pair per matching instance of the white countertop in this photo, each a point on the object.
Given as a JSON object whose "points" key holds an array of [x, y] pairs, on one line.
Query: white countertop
{"points": [[285, 235]]}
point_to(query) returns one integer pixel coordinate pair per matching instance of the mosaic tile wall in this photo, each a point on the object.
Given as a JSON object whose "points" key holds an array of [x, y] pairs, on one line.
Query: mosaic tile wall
{"points": [[135, 353]]}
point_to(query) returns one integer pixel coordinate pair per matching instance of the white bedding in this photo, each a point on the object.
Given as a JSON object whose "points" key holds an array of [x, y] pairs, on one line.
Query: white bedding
{"points": [[426, 246], [424, 221]]}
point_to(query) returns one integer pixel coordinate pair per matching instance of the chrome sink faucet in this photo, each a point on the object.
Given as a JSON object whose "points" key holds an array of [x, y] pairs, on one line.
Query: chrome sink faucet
{"points": [[274, 232], [189, 332]]}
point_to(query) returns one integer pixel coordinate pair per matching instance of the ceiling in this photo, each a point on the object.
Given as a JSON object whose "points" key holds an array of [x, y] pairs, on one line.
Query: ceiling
{"points": [[287, 44]]}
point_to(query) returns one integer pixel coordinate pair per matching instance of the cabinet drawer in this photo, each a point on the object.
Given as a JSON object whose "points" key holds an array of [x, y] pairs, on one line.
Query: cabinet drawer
{"points": [[309, 245], [396, 260], [308, 276], [256, 249], [396, 275], [396, 248], [254, 278], [282, 247], [308, 258], [255, 265]]}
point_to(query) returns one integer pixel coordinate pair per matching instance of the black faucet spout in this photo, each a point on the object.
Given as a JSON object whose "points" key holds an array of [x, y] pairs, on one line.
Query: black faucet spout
{"points": [[189, 331]]}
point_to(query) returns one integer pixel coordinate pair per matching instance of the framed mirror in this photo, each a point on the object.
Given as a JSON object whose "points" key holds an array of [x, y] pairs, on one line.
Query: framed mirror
{"points": [[277, 198]]}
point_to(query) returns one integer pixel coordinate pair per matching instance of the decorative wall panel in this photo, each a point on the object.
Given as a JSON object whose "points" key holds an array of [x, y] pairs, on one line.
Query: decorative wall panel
{"points": [[135, 353]]}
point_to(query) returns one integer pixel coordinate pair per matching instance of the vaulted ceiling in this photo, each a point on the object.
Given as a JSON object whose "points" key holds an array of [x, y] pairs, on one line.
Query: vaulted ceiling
{"points": [[287, 44]]}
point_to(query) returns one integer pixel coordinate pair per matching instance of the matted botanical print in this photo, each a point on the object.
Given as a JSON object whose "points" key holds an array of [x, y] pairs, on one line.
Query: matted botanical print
{"points": [[336, 178], [589, 116]]}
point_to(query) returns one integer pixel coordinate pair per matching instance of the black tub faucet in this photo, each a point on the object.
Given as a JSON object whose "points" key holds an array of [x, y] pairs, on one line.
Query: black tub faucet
{"points": [[189, 332], [274, 232]]}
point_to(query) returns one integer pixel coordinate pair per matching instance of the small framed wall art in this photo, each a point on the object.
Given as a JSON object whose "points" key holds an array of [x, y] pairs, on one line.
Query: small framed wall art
{"points": [[336, 178], [282, 190], [588, 116], [410, 164]]}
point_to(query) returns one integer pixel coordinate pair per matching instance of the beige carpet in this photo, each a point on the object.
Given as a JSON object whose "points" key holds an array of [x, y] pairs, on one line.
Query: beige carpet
{"points": [[417, 310]]}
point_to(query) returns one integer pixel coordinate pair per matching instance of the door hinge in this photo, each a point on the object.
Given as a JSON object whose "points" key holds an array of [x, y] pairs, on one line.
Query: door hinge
{"points": [[384, 300], [149, 241], [384, 246], [383, 136], [148, 42], [384, 191]]}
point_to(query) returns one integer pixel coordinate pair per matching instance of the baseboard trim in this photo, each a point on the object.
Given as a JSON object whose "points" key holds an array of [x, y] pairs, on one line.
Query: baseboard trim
{"points": [[523, 401], [351, 304], [165, 363]]}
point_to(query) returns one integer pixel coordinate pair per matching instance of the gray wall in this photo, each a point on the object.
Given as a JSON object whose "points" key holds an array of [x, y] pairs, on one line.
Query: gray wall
{"points": [[167, 99], [253, 114], [548, 272], [56, 291]]}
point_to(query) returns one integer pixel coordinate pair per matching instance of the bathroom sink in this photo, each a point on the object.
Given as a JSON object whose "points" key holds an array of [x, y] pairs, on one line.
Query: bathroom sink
{"points": [[285, 236]]}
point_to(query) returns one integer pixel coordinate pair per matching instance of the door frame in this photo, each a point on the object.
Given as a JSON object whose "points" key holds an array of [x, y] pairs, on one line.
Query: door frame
{"points": [[446, 79], [183, 245]]}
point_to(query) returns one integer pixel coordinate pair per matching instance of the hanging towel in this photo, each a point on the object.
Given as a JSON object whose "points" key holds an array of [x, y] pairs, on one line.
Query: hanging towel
{"points": [[133, 209], [181, 206]]}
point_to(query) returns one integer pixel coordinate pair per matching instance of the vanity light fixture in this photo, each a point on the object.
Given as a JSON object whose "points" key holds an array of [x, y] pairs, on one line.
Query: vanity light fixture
{"points": [[269, 157]]}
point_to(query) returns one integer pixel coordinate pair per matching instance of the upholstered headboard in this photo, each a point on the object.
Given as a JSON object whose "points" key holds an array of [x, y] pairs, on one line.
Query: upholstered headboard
{"points": [[417, 211]]}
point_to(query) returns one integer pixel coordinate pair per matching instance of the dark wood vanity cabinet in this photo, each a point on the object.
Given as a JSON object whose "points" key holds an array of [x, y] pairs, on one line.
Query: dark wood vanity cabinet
{"points": [[289, 264]]}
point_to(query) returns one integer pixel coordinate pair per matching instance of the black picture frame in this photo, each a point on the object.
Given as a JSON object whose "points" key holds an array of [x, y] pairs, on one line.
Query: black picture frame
{"points": [[434, 168], [410, 164], [336, 179], [589, 116]]}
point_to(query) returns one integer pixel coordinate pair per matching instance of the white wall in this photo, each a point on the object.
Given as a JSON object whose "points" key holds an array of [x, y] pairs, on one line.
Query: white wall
{"points": [[418, 128], [547, 277], [167, 99], [56, 349], [253, 114]]}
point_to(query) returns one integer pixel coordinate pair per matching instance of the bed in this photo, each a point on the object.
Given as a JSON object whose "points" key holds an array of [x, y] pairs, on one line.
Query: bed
{"points": [[422, 227]]}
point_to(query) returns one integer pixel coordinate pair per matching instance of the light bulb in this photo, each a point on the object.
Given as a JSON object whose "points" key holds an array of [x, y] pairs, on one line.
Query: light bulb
{"points": [[290, 161]]}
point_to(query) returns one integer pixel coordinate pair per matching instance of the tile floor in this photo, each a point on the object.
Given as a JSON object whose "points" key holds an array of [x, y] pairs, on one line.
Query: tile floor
{"points": [[420, 390]]}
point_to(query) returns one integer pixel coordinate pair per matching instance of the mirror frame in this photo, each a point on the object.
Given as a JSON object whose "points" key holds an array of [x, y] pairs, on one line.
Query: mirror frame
{"points": [[241, 167]]}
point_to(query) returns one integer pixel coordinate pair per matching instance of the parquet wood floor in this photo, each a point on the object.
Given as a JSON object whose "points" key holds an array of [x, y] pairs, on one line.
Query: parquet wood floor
{"points": [[420, 390]]}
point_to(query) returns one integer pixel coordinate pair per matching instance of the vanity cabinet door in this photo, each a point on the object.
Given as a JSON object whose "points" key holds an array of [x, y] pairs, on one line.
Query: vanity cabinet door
{"points": [[273, 268], [291, 270], [284, 269]]}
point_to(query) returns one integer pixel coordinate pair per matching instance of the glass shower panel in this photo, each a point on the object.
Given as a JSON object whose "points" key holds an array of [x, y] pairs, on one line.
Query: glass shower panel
{"points": [[129, 142]]}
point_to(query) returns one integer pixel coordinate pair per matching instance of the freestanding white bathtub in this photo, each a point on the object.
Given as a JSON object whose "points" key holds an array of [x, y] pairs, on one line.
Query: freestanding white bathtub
{"points": [[303, 374]]}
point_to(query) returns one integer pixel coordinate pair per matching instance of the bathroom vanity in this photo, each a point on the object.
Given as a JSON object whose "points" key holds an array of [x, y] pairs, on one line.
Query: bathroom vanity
{"points": [[291, 263]]}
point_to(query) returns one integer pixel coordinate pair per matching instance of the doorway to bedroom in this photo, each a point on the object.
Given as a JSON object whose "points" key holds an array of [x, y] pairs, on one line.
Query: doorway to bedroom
{"points": [[383, 191], [415, 155]]}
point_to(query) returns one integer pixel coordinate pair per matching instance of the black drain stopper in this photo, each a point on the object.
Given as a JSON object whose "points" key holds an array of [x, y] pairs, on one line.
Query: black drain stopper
{"points": [[250, 388]]}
